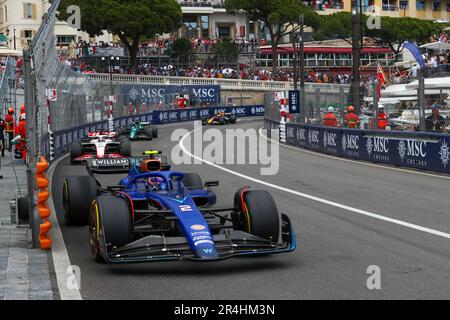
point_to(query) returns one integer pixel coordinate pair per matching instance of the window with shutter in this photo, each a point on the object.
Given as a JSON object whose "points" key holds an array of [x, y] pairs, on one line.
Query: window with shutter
{"points": [[33, 11], [28, 10]]}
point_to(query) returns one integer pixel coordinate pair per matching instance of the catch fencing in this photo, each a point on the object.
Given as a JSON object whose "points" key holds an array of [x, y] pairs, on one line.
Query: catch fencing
{"points": [[313, 106], [8, 87]]}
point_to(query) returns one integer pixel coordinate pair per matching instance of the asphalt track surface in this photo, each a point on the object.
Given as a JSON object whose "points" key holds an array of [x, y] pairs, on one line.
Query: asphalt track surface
{"points": [[335, 246]]}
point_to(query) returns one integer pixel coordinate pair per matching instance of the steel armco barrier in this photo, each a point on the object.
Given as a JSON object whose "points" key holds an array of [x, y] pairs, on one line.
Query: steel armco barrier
{"points": [[419, 150]]}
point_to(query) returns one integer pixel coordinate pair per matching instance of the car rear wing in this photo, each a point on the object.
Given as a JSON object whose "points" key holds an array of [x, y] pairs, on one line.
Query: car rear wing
{"points": [[108, 165], [122, 165]]}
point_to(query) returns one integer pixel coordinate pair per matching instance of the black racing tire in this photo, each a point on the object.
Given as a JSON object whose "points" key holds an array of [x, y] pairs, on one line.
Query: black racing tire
{"points": [[22, 209], [204, 120], [120, 132], [155, 132], [76, 150], [78, 194], [260, 216], [233, 119], [125, 148], [115, 220], [192, 181], [148, 133]]}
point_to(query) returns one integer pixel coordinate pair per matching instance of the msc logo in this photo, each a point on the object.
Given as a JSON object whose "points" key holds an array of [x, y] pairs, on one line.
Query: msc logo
{"points": [[184, 115], [329, 139], [133, 94], [378, 145], [412, 148], [173, 116], [290, 133], [193, 114], [301, 134], [257, 110], [350, 142], [445, 154], [204, 93], [314, 136], [239, 111]]}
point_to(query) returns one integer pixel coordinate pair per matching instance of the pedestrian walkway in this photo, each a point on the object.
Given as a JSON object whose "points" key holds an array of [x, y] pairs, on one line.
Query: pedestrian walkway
{"points": [[24, 272]]}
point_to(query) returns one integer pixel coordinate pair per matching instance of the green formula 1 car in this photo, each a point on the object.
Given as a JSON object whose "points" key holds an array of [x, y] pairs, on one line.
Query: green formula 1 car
{"points": [[138, 131]]}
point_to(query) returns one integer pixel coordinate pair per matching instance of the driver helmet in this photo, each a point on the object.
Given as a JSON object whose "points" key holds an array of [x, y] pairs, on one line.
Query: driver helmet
{"points": [[157, 184]]}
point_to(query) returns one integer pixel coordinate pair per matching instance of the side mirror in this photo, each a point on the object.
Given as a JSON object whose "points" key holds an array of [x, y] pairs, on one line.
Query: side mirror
{"points": [[211, 184]]}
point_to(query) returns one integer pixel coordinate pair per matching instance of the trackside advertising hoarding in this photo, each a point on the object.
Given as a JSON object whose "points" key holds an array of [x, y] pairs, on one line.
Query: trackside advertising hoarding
{"points": [[154, 94], [181, 115], [63, 138], [427, 151]]}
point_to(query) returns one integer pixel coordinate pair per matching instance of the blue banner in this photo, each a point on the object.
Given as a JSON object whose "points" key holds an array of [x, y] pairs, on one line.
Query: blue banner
{"points": [[294, 101], [181, 115], [427, 151], [155, 94]]}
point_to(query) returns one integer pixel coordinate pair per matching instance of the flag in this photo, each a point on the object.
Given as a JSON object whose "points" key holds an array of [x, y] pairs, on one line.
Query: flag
{"points": [[415, 51], [381, 75], [382, 79]]}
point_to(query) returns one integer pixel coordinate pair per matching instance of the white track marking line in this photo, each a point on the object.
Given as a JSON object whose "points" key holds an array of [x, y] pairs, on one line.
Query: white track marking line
{"points": [[61, 259], [313, 198], [352, 161]]}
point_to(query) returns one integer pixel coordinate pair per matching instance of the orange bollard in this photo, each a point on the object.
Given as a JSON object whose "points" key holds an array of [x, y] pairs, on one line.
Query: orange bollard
{"points": [[42, 206], [44, 213]]}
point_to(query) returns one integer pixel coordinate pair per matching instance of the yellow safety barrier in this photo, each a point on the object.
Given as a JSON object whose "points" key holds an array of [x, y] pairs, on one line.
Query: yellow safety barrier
{"points": [[42, 203]]}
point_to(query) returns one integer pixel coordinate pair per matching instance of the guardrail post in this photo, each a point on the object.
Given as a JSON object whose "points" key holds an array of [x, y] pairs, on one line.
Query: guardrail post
{"points": [[375, 104], [421, 100], [317, 110], [342, 106], [31, 111]]}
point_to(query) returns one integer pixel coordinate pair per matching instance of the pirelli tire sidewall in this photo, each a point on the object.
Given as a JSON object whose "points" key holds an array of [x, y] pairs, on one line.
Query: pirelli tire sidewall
{"points": [[115, 220], [78, 195]]}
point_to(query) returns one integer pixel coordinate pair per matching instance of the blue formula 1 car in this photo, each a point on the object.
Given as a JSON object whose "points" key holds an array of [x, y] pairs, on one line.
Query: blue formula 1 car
{"points": [[167, 215]]}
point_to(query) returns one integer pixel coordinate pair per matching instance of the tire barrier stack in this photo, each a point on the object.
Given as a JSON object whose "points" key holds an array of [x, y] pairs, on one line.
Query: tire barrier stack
{"points": [[43, 209], [418, 150]]}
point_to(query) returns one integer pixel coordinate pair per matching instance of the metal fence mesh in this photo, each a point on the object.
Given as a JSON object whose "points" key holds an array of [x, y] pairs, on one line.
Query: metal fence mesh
{"points": [[316, 104], [8, 86]]}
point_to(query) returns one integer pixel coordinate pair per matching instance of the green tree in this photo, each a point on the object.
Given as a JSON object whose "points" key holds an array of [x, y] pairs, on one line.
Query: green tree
{"points": [[181, 49], [395, 31], [227, 50], [337, 26], [131, 20], [278, 16]]}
